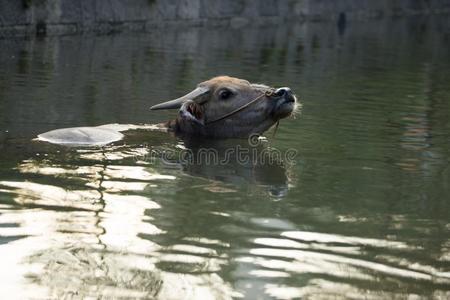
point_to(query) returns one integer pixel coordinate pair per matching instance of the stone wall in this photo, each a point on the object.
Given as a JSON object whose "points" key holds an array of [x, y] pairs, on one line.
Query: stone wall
{"points": [[72, 16]]}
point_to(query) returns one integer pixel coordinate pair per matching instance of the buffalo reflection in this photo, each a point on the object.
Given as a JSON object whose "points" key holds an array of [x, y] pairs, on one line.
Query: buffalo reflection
{"points": [[234, 162]]}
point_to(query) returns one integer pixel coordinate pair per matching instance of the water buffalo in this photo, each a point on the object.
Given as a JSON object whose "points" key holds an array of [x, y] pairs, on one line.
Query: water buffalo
{"points": [[227, 107], [222, 107]]}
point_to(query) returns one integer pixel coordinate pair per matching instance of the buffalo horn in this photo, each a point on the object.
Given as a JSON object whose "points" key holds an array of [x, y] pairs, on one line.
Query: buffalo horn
{"points": [[195, 95]]}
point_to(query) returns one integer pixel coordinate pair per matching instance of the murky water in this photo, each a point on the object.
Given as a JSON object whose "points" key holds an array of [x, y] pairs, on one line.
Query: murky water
{"points": [[362, 211]]}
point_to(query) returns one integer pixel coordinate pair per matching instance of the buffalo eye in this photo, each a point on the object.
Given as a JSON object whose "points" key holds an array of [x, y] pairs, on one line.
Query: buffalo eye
{"points": [[225, 94]]}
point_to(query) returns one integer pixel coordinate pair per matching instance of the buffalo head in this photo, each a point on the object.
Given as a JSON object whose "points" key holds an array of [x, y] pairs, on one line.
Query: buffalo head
{"points": [[225, 107]]}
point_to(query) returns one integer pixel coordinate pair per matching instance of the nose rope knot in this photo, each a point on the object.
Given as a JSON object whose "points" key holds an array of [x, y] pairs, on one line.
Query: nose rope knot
{"points": [[268, 93]]}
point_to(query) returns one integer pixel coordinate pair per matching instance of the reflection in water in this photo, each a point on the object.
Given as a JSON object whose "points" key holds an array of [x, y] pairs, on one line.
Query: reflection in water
{"points": [[236, 161], [85, 239], [102, 235], [334, 257], [362, 212]]}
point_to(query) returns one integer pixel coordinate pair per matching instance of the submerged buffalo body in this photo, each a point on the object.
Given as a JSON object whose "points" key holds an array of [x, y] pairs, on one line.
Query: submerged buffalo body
{"points": [[222, 107]]}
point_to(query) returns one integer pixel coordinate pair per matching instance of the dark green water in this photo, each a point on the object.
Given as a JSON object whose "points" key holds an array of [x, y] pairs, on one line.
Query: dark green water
{"points": [[362, 212]]}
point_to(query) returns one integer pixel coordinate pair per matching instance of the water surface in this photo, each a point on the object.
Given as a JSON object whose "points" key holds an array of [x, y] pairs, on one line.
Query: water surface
{"points": [[361, 211]]}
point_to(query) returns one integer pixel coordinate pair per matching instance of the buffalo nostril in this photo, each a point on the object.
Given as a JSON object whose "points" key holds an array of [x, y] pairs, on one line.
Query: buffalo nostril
{"points": [[282, 91]]}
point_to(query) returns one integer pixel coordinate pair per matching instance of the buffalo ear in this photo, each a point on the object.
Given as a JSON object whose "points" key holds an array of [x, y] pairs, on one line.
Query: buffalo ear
{"points": [[196, 95], [191, 111]]}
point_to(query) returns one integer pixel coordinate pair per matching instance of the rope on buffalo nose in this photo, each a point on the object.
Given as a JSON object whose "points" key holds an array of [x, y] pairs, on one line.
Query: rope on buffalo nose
{"points": [[267, 93], [276, 129]]}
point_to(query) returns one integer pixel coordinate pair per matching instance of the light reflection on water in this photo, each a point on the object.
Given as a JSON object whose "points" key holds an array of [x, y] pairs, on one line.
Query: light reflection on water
{"points": [[361, 213], [87, 241]]}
